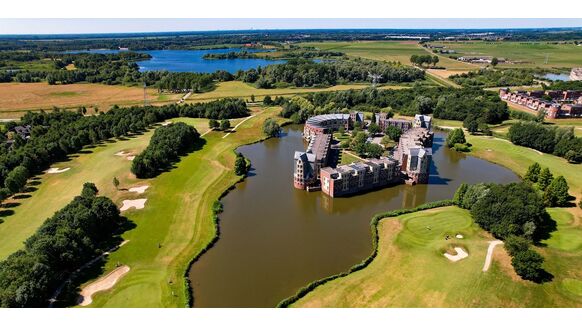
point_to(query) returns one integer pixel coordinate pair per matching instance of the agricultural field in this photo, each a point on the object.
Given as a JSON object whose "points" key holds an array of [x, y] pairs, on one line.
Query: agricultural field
{"points": [[399, 51], [17, 98], [532, 54], [417, 240]]}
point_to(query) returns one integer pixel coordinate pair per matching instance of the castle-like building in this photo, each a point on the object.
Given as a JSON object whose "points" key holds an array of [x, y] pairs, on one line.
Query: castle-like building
{"points": [[410, 162]]}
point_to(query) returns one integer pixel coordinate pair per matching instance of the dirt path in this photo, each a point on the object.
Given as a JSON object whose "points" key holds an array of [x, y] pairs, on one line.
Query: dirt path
{"points": [[489, 256], [102, 284], [236, 126]]}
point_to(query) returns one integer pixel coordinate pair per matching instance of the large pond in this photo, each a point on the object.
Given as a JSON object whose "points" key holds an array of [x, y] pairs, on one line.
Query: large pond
{"points": [[192, 61], [276, 239]]}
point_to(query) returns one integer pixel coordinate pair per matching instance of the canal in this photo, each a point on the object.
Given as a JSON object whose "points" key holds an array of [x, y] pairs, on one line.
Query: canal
{"points": [[276, 239]]}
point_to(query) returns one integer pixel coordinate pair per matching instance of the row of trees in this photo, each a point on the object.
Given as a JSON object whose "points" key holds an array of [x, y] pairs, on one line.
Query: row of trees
{"points": [[515, 213], [548, 139], [555, 190], [59, 133], [444, 103], [420, 60], [306, 73], [165, 147], [73, 236], [487, 78]]}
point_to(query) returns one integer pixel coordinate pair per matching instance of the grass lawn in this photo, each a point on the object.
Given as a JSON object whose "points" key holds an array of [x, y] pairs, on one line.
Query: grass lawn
{"points": [[243, 90], [17, 98], [56, 190], [176, 222], [533, 54], [410, 270], [173, 227]]}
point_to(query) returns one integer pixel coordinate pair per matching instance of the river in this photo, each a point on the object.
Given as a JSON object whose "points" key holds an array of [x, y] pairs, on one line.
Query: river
{"points": [[276, 239]]}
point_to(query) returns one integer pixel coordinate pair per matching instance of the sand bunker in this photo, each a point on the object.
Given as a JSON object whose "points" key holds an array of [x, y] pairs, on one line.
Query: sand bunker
{"points": [[121, 153], [461, 254], [102, 284], [139, 190], [130, 158], [55, 170], [459, 236], [166, 123], [129, 203]]}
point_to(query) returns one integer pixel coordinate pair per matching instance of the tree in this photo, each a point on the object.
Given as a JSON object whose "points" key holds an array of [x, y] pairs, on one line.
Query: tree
{"points": [[89, 190], [460, 194], [224, 125], [454, 137], [528, 264], [267, 101], [557, 193], [213, 124], [271, 128], [240, 165], [16, 179], [253, 98], [373, 150], [545, 178], [533, 171], [116, 183], [358, 143], [494, 61], [393, 132], [516, 244], [373, 129], [341, 131], [435, 60]]}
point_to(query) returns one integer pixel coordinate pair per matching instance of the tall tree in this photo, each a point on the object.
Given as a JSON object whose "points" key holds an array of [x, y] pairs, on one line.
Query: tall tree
{"points": [[545, 178]]}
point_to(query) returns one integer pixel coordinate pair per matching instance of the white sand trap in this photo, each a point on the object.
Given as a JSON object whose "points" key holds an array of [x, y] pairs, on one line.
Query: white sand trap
{"points": [[166, 123], [129, 203], [130, 158], [459, 236], [121, 153], [139, 190], [55, 170], [102, 284], [461, 254], [489, 256]]}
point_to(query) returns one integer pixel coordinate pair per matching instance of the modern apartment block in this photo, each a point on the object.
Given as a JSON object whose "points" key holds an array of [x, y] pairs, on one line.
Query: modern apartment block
{"points": [[309, 163], [414, 153], [554, 104]]}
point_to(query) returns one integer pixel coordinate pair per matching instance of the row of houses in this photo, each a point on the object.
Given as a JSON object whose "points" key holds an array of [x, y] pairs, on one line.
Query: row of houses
{"points": [[313, 169], [553, 103]]}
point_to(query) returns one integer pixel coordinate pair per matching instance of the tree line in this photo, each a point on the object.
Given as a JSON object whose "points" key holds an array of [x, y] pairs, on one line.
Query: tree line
{"points": [[165, 147], [486, 78], [514, 213], [420, 60], [306, 73], [60, 133], [73, 236], [548, 139], [444, 103]]}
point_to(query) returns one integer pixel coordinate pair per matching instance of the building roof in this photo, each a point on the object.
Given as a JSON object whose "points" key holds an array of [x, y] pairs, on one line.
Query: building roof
{"points": [[320, 120]]}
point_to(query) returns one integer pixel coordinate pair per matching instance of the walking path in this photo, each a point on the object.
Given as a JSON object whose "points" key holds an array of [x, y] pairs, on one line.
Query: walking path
{"points": [[489, 256], [236, 126], [57, 292], [184, 97]]}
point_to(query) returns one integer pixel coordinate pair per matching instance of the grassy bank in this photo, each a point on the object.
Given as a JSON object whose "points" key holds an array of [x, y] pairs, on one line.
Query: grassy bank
{"points": [[411, 243]]}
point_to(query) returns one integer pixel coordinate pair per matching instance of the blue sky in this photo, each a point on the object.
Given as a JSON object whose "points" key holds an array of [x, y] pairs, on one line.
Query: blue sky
{"points": [[58, 26]]}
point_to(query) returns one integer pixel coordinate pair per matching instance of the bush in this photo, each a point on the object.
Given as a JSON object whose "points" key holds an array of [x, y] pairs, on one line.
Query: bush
{"points": [[516, 244], [271, 128], [457, 136], [464, 148], [528, 264], [241, 166]]}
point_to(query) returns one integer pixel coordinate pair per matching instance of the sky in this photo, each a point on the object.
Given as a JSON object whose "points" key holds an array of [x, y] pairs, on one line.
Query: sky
{"points": [[110, 25]]}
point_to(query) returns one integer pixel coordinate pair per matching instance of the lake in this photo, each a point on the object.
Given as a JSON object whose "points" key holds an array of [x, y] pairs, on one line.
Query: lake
{"points": [[192, 61], [276, 239], [556, 77]]}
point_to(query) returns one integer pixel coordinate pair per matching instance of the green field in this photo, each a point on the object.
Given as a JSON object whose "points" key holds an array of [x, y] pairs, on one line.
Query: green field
{"points": [[174, 226], [240, 89], [411, 243], [399, 51], [533, 54]]}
